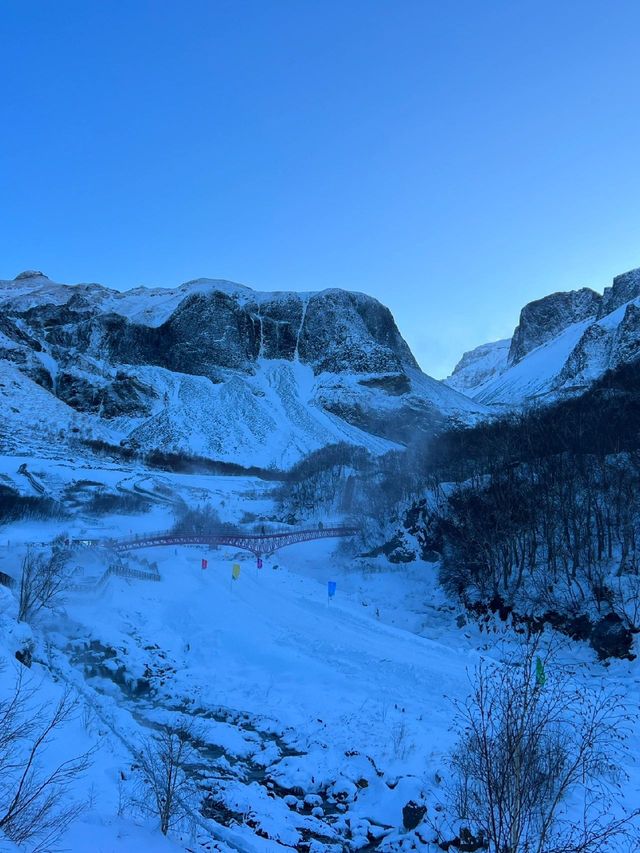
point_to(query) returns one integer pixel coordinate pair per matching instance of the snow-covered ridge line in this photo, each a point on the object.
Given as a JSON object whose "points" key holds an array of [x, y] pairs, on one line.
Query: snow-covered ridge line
{"points": [[214, 368]]}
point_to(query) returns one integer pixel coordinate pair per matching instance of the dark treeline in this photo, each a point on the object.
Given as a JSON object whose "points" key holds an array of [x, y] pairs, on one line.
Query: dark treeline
{"points": [[349, 480], [318, 480], [16, 507], [541, 510], [604, 420], [179, 462]]}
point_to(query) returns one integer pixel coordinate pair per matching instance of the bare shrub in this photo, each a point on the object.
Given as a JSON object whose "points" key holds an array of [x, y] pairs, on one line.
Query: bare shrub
{"points": [[43, 580], [166, 790], [195, 520], [35, 804], [538, 759]]}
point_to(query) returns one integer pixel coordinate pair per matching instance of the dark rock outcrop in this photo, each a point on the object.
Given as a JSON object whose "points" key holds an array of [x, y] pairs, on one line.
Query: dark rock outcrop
{"points": [[603, 347], [412, 814], [335, 324], [610, 638], [123, 396], [624, 288], [335, 331], [542, 320], [27, 274]]}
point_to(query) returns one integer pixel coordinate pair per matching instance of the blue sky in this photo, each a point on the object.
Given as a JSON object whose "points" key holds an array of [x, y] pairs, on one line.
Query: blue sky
{"points": [[453, 159]]}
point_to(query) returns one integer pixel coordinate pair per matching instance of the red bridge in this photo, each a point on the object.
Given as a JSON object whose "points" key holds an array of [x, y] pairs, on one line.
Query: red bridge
{"points": [[260, 544]]}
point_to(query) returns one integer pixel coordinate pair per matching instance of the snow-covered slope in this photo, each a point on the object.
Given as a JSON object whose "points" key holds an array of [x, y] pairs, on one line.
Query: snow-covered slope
{"points": [[212, 368], [561, 344], [317, 721], [479, 365]]}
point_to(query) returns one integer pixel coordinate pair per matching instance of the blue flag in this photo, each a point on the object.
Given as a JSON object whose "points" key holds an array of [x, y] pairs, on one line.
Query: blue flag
{"points": [[331, 588]]}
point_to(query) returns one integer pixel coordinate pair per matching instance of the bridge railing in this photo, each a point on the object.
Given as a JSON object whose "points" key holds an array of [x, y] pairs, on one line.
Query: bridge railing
{"points": [[222, 533]]}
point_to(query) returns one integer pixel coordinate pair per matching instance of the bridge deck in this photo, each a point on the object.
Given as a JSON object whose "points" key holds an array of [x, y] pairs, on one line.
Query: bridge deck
{"points": [[260, 544]]}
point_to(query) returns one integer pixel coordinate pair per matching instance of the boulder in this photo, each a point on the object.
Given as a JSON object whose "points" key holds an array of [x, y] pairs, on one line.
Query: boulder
{"points": [[412, 814], [611, 639]]}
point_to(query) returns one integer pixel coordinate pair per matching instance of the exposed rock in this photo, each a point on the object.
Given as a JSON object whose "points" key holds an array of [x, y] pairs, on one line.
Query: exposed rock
{"points": [[9, 328], [25, 655], [29, 274], [625, 287], [542, 320], [395, 384], [335, 323], [412, 814], [603, 347], [588, 358], [123, 396], [41, 376], [626, 345], [610, 638]]}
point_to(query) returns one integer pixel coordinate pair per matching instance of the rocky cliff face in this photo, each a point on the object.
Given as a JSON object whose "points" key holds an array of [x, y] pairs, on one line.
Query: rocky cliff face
{"points": [[216, 368], [625, 288], [544, 319]]}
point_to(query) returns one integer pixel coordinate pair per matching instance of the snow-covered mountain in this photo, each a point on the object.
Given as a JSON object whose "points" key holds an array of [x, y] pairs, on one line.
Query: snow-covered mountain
{"points": [[211, 368], [561, 344]]}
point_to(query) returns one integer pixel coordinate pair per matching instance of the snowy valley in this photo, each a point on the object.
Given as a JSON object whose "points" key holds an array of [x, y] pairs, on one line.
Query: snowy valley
{"points": [[307, 716]]}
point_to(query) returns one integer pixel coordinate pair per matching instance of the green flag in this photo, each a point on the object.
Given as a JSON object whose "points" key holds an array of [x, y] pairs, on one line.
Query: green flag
{"points": [[540, 676]]}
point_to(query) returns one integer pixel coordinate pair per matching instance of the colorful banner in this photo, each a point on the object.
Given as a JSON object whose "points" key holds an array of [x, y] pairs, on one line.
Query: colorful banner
{"points": [[235, 571], [331, 588], [259, 562], [204, 563]]}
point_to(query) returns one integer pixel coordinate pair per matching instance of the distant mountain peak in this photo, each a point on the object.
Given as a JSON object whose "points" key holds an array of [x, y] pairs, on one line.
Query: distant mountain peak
{"points": [[562, 343], [479, 365], [30, 274]]}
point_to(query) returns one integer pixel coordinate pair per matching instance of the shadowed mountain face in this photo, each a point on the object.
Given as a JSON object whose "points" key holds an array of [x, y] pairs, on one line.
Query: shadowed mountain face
{"points": [[333, 331], [215, 368]]}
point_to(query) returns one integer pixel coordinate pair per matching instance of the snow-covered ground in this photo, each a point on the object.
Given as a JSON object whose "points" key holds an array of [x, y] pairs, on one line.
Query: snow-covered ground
{"points": [[317, 719]]}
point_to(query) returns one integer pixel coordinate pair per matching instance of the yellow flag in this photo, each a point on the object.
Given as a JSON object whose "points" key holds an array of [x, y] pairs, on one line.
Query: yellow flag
{"points": [[235, 571]]}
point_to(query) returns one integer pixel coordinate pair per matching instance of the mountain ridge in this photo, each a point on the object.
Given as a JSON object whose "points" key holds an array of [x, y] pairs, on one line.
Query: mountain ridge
{"points": [[216, 368], [562, 343]]}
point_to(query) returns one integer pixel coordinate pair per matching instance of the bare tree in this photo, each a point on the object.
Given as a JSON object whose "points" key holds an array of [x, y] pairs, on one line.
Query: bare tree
{"points": [[166, 788], [627, 600], [35, 806], [43, 580], [530, 735]]}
